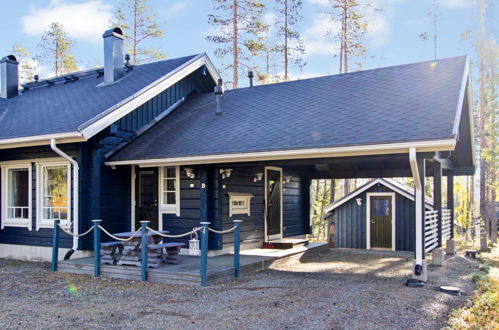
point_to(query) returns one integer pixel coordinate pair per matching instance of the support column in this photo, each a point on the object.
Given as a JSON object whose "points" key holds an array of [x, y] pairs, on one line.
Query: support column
{"points": [[450, 245], [422, 194], [437, 197]]}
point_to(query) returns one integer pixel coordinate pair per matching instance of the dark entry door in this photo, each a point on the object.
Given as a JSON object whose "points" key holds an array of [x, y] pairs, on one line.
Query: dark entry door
{"points": [[146, 196], [273, 211], [381, 221]]}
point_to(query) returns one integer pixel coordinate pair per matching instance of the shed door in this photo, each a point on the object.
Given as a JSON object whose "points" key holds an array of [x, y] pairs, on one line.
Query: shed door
{"points": [[146, 197], [381, 221], [273, 221]]}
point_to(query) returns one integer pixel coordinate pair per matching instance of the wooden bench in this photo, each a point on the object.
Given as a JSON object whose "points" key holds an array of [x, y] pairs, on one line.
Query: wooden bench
{"points": [[111, 252], [172, 251]]}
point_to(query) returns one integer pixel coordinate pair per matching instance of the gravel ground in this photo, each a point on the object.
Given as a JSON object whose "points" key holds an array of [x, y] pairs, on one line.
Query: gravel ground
{"points": [[334, 289]]}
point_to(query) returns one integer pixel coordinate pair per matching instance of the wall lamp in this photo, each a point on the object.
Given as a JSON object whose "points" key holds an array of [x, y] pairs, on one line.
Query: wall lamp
{"points": [[258, 177], [226, 173], [189, 172], [359, 201], [287, 179]]}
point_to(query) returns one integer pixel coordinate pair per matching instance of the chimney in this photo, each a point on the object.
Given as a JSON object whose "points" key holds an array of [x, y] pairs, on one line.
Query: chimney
{"points": [[219, 93], [113, 55], [9, 77], [250, 76]]}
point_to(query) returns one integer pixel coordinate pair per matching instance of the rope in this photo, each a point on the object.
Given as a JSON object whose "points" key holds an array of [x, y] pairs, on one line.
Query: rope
{"points": [[222, 231], [117, 238], [77, 235], [175, 236]]}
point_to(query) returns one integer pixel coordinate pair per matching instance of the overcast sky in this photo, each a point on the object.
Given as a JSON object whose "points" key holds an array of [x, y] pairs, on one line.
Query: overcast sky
{"points": [[392, 39]]}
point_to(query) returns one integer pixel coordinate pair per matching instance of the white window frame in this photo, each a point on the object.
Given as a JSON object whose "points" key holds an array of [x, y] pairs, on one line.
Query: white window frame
{"points": [[240, 197], [168, 208], [14, 222], [49, 223]]}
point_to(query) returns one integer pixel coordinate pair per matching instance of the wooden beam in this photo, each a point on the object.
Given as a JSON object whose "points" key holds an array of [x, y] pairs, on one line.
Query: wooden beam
{"points": [[450, 201]]}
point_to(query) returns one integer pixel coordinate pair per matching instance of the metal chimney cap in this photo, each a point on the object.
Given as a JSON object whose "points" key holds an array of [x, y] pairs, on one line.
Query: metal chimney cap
{"points": [[250, 74], [10, 59], [218, 90], [116, 32]]}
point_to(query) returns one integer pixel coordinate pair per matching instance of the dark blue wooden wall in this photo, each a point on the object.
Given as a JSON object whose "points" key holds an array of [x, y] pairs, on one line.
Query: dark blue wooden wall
{"points": [[351, 221]]}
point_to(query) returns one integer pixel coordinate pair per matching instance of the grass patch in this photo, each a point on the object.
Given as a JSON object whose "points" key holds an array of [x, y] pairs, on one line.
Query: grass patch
{"points": [[483, 312]]}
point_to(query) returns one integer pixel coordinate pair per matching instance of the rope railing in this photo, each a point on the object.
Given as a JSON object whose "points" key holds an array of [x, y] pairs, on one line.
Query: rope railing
{"points": [[119, 238], [194, 230], [75, 235], [222, 231]]}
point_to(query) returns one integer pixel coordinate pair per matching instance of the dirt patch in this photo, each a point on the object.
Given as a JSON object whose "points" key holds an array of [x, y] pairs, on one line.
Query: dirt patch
{"points": [[337, 289]]}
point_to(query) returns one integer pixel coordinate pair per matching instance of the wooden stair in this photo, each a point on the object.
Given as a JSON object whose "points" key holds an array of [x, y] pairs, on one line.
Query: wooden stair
{"points": [[285, 243]]}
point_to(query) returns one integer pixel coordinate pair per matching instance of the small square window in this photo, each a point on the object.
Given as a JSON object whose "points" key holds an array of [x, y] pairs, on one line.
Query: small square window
{"points": [[239, 203]]}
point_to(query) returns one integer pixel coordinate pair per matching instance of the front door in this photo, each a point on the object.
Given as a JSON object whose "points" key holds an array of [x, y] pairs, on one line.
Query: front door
{"points": [[381, 221], [273, 212], [146, 197]]}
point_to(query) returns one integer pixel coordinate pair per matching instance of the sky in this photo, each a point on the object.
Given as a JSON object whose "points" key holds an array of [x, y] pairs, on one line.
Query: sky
{"points": [[392, 38]]}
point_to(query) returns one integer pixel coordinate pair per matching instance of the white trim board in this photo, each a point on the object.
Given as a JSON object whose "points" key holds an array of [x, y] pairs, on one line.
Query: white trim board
{"points": [[368, 217], [266, 237], [5, 221]]}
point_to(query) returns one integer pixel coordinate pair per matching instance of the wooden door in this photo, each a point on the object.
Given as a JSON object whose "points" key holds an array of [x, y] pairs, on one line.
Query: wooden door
{"points": [[273, 207], [381, 221], [146, 197]]}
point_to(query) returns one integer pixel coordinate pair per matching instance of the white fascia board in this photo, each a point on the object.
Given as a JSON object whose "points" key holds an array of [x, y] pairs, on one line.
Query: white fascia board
{"points": [[345, 199], [37, 140], [376, 149], [116, 112], [460, 100]]}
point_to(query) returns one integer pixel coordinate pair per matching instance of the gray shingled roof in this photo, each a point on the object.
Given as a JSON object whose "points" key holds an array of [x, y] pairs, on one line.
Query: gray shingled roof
{"points": [[413, 102], [63, 107]]}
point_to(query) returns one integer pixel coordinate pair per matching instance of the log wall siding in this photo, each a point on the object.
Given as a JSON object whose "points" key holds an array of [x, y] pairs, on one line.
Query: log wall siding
{"points": [[351, 222]]}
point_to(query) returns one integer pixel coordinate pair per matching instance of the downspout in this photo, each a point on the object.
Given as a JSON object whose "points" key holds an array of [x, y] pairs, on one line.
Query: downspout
{"points": [[419, 206], [76, 171]]}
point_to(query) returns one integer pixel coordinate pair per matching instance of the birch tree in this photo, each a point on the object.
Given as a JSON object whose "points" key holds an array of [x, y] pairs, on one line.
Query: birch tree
{"points": [[137, 21], [240, 29], [56, 50]]}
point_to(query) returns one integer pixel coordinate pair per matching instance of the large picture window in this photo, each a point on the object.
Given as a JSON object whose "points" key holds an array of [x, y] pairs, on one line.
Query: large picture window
{"points": [[170, 190], [16, 195], [54, 194]]}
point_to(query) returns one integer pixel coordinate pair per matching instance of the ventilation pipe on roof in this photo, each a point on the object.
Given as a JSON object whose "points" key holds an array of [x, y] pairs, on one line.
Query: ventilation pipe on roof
{"points": [[250, 76], [114, 67], [9, 77], [76, 171], [219, 93]]}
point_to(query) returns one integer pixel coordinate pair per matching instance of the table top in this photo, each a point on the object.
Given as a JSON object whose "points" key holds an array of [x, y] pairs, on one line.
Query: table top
{"points": [[139, 234]]}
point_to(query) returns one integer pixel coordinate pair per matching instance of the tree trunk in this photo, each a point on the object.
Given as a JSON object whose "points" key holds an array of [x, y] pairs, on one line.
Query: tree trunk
{"points": [[345, 41], [135, 32], [332, 196], [346, 186], [286, 77], [235, 49]]}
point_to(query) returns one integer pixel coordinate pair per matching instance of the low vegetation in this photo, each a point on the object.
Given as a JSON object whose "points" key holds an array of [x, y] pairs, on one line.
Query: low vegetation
{"points": [[483, 310]]}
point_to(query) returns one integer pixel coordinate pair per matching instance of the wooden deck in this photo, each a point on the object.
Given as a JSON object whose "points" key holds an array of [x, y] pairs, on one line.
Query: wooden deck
{"points": [[187, 272]]}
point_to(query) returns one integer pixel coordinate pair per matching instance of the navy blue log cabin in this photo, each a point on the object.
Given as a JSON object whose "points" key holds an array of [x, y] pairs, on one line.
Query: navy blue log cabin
{"points": [[153, 142]]}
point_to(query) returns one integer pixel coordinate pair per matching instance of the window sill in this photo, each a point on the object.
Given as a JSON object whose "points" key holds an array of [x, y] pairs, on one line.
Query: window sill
{"points": [[16, 223], [50, 224]]}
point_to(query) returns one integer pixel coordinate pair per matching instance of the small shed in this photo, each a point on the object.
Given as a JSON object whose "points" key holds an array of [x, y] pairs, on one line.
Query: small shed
{"points": [[378, 215]]}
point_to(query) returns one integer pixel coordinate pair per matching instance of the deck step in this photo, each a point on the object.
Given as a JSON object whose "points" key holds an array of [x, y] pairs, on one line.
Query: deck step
{"points": [[285, 243]]}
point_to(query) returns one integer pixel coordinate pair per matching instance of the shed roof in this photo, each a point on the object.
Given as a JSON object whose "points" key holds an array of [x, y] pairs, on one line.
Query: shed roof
{"points": [[405, 103], [59, 105], [391, 184]]}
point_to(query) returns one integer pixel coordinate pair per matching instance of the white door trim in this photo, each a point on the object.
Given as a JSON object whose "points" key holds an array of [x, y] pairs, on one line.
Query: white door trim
{"points": [[278, 236], [132, 199], [368, 216]]}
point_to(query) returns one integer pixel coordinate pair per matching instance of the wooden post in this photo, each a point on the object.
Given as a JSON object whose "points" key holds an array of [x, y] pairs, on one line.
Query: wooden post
{"points": [[237, 245], [144, 250], [96, 247], [55, 245], [204, 252], [450, 201], [437, 197], [422, 173]]}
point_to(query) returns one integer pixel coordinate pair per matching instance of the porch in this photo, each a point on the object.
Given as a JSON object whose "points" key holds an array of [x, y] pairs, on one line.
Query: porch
{"points": [[187, 272]]}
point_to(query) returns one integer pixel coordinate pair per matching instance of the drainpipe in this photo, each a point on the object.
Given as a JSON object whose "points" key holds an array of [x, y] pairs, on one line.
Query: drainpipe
{"points": [[75, 195], [419, 213]]}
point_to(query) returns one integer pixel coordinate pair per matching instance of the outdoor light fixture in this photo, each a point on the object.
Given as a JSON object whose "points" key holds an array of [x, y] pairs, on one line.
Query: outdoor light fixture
{"points": [[258, 177], [226, 173], [359, 201], [287, 179], [189, 172]]}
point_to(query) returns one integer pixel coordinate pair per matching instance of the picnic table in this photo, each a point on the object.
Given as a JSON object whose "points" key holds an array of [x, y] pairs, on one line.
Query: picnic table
{"points": [[131, 254]]}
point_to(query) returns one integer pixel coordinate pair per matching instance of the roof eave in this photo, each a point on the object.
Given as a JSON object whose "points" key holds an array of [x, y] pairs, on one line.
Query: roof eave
{"points": [[38, 140]]}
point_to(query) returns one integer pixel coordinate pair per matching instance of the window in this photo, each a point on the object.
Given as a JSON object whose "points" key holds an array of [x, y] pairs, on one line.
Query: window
{"points": [[16, 195], [170, 190], [239, 203], [54, 194]]}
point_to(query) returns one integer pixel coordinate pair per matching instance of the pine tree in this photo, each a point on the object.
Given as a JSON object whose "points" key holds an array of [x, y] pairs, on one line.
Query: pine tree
{"points": [[292, 47], [56, 50], [239, 35], [136, 20], [27, 64]]}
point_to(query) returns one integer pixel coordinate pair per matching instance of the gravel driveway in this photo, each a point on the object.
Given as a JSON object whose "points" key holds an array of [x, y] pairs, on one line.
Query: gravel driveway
{"points": [[333, 289]]}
